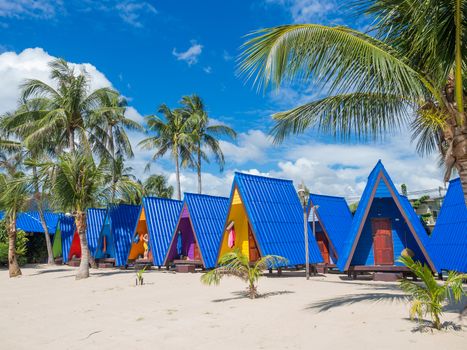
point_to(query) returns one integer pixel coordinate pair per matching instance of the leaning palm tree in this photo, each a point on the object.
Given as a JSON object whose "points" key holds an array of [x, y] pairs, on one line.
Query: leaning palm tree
{"points": [[14, 197], [171, 135], [204, 134], [77, 184], [238, 265], [411, 71], [430, 297]]}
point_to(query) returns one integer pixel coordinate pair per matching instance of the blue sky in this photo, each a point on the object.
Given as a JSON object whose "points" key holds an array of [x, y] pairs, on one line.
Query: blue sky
{"points": [[156, 51]]}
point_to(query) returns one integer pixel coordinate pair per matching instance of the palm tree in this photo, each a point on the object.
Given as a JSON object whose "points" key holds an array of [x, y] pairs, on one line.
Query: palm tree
{"points": [[77, 184], [14, 197], [238, 265], [172, 135], [204, 133], [156, 185], [430, 297], [120, 182], [64, 114], [408, 72]]}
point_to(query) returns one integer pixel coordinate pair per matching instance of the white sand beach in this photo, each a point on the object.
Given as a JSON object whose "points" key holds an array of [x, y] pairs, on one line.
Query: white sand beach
{"points": [[47, 308]]}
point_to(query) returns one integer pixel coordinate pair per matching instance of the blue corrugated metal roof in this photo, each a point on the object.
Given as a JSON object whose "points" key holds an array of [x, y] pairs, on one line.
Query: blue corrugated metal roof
{"points": [[276, 217], [207, 215], [67, 230], [378, 188], [335, 218], [94, 222], [448, 242], [161, 218], [123, 221], [30, 222]]}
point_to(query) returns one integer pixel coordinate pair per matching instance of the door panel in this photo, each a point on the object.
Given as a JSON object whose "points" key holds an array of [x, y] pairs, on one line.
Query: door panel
{"points": [[382, 241], [253, 249], [323, 246]]}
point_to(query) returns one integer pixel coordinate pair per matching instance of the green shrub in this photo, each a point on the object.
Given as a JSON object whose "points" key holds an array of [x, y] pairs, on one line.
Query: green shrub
{"points": [[21, 245]]}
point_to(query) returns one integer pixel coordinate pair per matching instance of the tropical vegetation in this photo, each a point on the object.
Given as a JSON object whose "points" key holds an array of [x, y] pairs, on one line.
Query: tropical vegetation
{"points": [[429, 297], [65, 148], [407, 69], [236, 264]]}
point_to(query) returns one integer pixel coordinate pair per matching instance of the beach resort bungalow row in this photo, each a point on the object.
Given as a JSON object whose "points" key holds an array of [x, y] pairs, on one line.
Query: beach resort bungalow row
{"points": [[384, 227], [197, 235], [265, 217]]}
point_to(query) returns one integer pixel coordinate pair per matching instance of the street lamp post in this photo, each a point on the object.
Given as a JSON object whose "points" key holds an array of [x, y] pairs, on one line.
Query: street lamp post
{"points": [[302, 193]]}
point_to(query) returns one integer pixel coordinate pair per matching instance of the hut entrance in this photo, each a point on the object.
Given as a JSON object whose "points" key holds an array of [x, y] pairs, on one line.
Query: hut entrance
{"points": [[253, 248], [323, 245], [140, 249], [382, 241]]}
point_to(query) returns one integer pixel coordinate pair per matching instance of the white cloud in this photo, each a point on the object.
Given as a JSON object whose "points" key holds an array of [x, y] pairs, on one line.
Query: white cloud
{"points": [[207, 69], [305, 11], [134, 115], [33, 64], [191, 55], [42, 9], [227, 56], [251, 146], [132, 11]]}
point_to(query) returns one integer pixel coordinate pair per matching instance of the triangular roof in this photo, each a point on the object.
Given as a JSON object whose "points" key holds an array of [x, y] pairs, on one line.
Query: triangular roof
{"points": [[335, 218], [380, 185], [67, 232], [94, 221], [30, 222], [276, 217], [448, 242], [207, 215], [161, 218], [123, 219]]}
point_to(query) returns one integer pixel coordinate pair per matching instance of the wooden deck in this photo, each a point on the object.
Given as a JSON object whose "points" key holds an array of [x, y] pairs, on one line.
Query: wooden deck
{"points": [[403, 271]]}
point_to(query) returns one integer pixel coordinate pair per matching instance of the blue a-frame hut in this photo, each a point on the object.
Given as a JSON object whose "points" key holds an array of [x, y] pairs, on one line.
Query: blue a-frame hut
{"points": [[448, 242], [333, 220], [94, 221], [160, 215], [116, 234], [199, 230], [266, 218], [383, 226]]}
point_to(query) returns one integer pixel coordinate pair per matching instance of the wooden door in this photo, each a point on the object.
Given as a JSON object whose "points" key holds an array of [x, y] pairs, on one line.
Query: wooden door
{"points": [[382, 242], [323, 246], [253, 248], [196, 254]]}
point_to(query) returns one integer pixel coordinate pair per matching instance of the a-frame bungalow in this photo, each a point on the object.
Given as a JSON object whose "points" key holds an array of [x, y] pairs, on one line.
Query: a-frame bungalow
{"points": [[385, 226]]}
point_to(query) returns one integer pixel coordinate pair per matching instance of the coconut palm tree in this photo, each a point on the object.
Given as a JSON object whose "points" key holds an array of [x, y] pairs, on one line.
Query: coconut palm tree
{"points": [[156, 185], [238, 265], [411, 71], [120, 182], [77, 184], [204, 134], [430, 297], [14, 197], [171, 134], [63, 114]]}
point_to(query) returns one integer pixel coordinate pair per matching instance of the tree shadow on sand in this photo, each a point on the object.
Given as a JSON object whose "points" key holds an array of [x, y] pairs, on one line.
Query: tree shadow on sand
{"points": [[245, 295], [328, 304]]}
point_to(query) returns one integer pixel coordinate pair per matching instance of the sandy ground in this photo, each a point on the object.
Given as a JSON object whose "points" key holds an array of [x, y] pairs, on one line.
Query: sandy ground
{"points": [[47, 308]]}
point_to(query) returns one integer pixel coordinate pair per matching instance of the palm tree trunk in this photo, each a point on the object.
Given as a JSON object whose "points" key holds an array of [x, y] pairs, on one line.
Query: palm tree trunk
{"points": [[71, 140], [198, 166], [13, 266], [459, 152], [83, 271], [177, 170], [50, 254]]}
